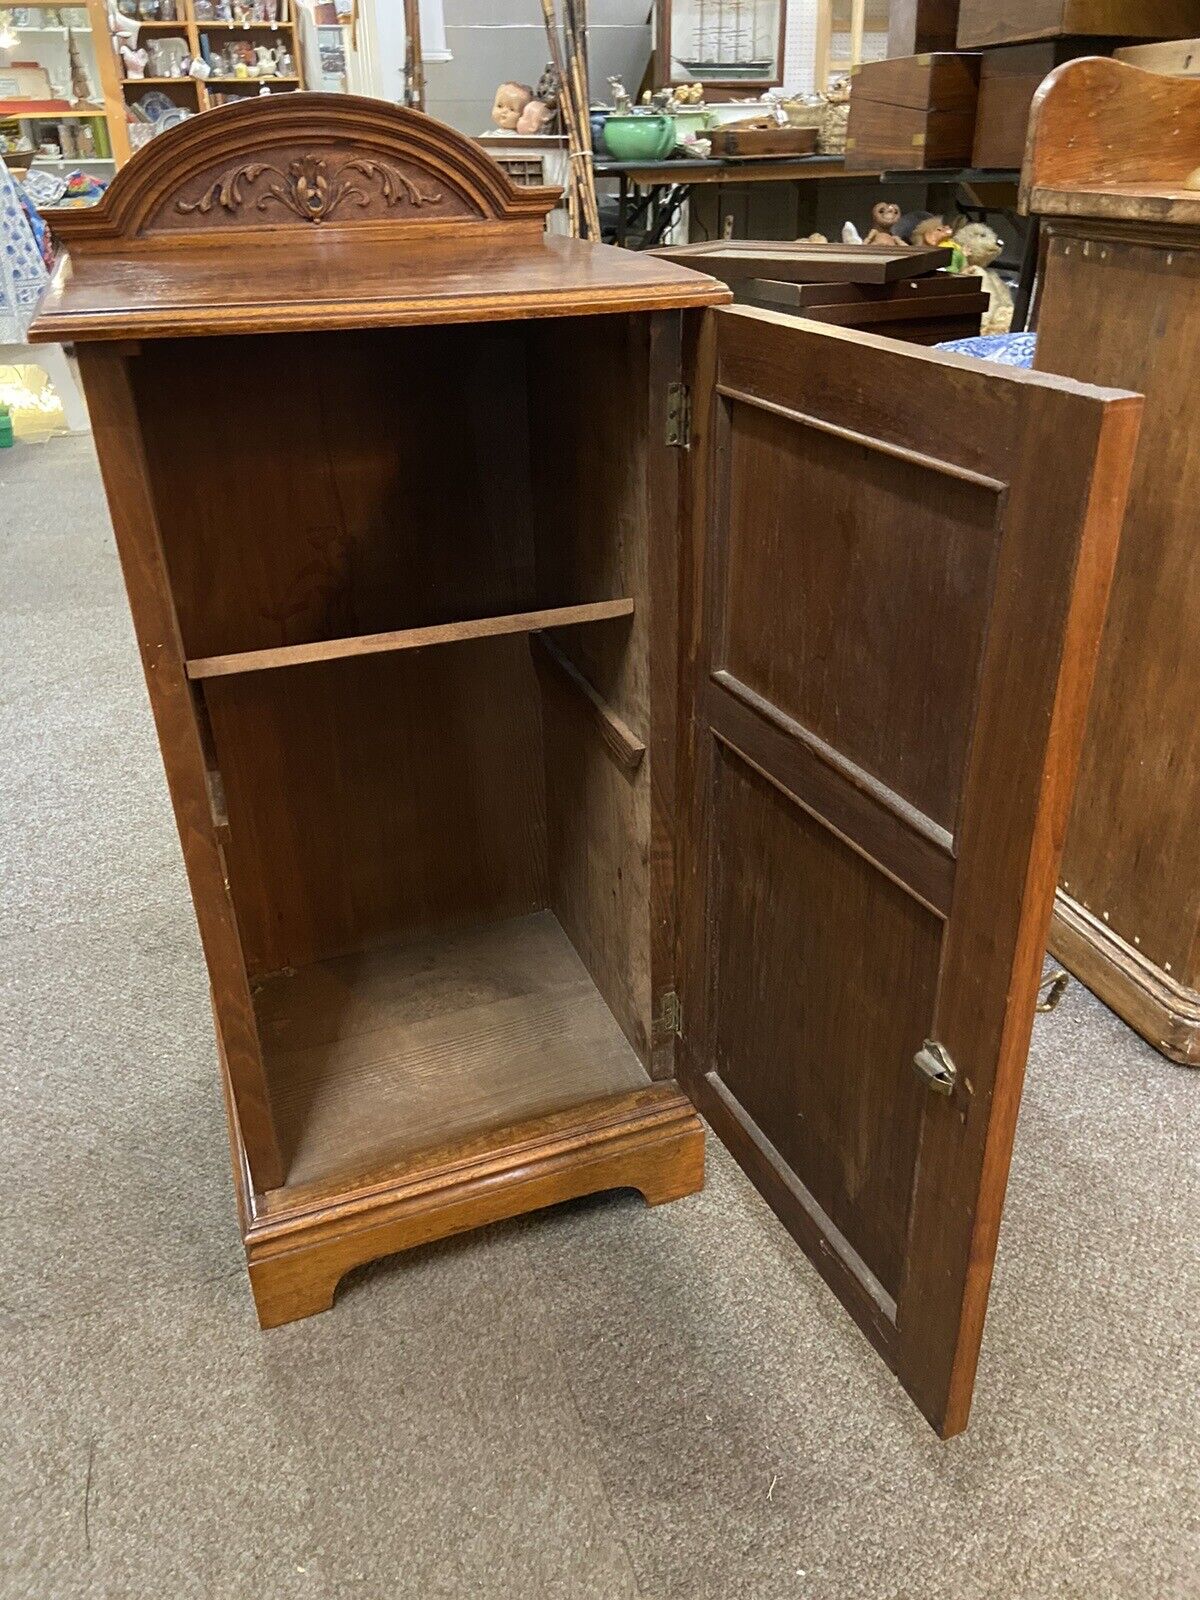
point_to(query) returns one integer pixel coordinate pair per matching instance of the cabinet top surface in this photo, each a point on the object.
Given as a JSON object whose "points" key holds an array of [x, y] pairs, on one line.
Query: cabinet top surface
{"points": [[313, 211]]}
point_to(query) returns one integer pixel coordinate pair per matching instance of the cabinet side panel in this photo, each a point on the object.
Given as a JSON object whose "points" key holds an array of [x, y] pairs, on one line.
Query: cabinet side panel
{"points": [[589, 449], [118, 436], [1131, 854]]}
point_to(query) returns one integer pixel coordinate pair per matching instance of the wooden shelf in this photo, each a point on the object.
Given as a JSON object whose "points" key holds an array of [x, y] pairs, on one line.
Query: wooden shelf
{"points": [[379, 1055], [50, 110], [140, 83], [366, 644], [251, 83]]}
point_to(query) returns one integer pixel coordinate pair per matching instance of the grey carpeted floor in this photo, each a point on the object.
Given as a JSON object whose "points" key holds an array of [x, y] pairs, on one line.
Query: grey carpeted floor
{"points": [[601, 1401]]}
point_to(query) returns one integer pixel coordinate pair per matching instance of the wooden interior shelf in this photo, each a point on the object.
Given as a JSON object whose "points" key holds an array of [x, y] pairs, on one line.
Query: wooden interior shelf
{"points": [[367, 644], [379, 1055]]}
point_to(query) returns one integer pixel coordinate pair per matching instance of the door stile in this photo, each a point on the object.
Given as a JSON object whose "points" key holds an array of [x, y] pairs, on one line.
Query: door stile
{"points": [[1049, 602], [704, 613], [694, 817]]}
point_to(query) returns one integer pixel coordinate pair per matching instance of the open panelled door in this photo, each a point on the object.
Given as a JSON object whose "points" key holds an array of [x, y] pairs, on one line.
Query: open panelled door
{"points": [[893, 596]]}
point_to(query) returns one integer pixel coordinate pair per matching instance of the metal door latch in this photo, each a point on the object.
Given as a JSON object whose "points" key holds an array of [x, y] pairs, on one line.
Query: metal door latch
{"points": [[1051, 990], [932, 1062]]}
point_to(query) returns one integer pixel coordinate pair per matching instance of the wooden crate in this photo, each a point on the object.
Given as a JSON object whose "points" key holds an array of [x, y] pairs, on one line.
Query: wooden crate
{"points": [[917, 111], [982, 22]]}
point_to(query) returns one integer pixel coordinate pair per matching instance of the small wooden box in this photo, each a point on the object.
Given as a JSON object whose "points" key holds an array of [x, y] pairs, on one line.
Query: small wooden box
{"points": [[917, 111], [763, 143], [982, 22]]}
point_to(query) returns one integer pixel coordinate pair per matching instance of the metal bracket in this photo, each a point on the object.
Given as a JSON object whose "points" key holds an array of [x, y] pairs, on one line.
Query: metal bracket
{"points": [[679, 416], [932, 1062], [670, 1015]]}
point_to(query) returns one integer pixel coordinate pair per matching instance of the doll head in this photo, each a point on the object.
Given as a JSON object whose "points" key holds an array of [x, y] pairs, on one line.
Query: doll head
{"points": [[511, 99], [885, 215], [534, 118]]}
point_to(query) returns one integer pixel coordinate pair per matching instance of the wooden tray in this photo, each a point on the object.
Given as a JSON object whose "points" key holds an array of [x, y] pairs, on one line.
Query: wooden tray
{"points": [[731, 260], [760, 142]]}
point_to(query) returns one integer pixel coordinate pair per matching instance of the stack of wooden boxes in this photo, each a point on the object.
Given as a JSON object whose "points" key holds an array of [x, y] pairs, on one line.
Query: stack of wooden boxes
{"points": [[960, 76]]}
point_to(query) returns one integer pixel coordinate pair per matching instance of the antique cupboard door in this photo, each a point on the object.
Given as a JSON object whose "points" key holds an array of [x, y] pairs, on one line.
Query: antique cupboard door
{"points": [[893, 594]]}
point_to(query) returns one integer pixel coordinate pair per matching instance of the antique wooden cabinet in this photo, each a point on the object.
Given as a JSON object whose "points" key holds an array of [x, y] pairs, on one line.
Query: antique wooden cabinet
{"points": [[582, 702], [1113, 170]]}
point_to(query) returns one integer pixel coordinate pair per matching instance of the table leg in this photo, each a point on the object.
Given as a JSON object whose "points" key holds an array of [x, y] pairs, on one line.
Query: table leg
{"points": [[1028, 277]]}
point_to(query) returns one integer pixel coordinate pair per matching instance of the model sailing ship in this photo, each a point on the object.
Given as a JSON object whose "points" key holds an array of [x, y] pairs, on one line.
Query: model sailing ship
{"points": [[727, 39]]}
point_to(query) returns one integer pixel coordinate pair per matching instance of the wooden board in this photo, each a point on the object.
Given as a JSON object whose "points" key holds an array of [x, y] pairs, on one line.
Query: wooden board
{"points": [[903, 310], [1178, 57], [732, 260], [378, 1056], [372, 644], [885, 719], [982, 22]]}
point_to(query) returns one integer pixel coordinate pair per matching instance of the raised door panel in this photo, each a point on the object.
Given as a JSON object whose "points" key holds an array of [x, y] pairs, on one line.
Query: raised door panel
{"points": [[895, 589]]}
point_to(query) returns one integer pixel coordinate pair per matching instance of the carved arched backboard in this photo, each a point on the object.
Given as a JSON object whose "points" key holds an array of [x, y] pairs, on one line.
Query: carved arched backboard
{"points": [[306, 161]]}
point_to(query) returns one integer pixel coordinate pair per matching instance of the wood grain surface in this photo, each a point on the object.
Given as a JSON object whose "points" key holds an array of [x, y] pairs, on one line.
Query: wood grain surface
{"points": [[863, 872]]}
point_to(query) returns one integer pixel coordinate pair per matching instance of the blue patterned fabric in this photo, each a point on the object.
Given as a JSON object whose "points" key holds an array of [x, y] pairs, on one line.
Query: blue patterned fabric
{"points": [[1005, 349], [23, 273]]}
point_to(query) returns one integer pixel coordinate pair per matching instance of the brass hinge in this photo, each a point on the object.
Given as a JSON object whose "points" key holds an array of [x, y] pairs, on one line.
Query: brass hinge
{"points": [[670, 1016], [679, 416], [932, 1062]]}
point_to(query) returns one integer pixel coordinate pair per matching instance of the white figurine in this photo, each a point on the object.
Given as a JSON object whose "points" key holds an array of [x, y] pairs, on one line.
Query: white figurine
{"points": [[135, 62]]}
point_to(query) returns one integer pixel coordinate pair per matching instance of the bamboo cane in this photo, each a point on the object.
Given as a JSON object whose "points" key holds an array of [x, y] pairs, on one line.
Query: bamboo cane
{"points": [[576, 53], [579, 163]]}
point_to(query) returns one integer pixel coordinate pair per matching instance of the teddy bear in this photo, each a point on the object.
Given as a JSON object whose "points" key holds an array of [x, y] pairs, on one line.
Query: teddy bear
{"points": [[980, 245]]}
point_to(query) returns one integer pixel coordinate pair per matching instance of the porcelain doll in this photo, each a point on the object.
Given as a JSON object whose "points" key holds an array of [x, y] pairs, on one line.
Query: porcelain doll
{"points": [[535, 118], [511, 99]]}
